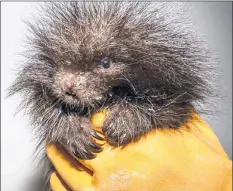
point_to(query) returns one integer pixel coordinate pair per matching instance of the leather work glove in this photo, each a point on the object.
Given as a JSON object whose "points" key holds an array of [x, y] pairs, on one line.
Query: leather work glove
{"points": [[188, 159]]}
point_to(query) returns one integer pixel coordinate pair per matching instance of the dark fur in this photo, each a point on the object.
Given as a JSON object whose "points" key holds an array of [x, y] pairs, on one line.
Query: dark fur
{"points": [[159, 71]]}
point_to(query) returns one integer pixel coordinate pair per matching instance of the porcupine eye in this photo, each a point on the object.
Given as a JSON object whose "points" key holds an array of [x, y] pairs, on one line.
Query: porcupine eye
{"points": [[106, 62]]}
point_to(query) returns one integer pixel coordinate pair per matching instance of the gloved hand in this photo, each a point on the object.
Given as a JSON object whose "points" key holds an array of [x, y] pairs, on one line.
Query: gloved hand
{"points": [[190, 158]]}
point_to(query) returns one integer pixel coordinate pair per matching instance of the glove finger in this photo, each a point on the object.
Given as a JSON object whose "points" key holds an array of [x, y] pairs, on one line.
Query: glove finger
{"points": [[71, 171], [97, 120], [57, 184]]}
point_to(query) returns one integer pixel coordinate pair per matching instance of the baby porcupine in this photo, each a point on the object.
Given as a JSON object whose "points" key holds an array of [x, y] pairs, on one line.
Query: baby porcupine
{"points": [[140, 60]]}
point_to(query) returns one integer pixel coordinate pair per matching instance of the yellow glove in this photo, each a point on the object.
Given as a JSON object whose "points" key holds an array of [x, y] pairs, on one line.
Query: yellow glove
{"points": [[190, 158]]}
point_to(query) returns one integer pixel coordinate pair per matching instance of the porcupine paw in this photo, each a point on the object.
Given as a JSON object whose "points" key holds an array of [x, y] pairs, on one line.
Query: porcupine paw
{"points": [[84, 145], [117, 134], [88, 147]]}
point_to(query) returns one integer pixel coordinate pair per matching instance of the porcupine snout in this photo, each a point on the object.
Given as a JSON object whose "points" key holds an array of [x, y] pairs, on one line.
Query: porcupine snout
{"points": [[73, 86]]}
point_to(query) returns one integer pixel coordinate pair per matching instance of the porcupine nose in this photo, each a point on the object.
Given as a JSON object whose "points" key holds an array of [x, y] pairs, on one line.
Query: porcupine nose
{"points": [[73, 84], [69, 88]]}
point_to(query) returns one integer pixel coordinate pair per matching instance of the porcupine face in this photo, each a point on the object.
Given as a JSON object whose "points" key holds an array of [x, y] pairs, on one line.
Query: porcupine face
{"points": [[84, 55]]}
